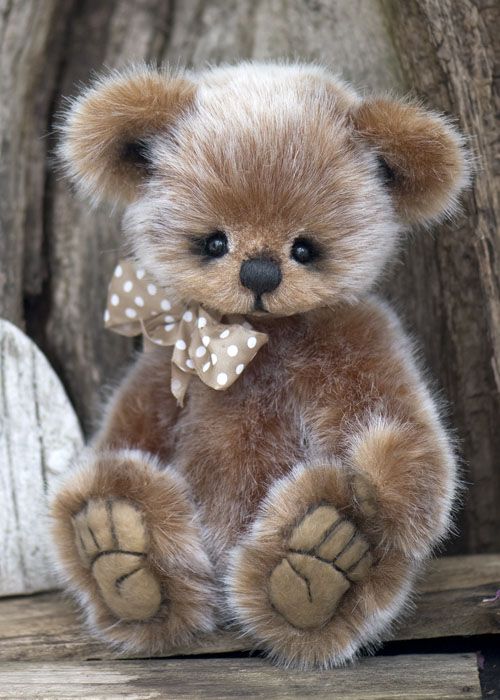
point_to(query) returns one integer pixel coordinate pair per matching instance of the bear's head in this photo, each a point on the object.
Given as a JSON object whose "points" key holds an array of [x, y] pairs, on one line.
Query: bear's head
{"points": [[260, 188]]}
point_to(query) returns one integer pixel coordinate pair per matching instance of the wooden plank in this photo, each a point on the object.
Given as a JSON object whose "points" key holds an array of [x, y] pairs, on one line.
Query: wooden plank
{"points": [[449, 285], [427, 676], [451, 598], [39, 436], [47, 627]]}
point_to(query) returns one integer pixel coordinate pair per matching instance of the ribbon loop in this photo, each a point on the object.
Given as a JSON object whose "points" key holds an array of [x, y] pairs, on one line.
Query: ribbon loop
{"points": [[202, 344]]}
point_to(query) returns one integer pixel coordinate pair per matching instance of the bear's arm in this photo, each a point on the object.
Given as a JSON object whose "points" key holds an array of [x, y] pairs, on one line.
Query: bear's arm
{"points": [[375, 413], [143, 409]]}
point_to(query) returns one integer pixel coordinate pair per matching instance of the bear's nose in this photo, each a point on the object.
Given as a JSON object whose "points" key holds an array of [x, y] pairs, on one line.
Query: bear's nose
{"points": [[261, 275]]}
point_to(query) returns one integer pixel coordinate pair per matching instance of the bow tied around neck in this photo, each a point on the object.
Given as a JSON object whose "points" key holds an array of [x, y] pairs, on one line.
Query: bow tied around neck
{"points": [[217, 352]]}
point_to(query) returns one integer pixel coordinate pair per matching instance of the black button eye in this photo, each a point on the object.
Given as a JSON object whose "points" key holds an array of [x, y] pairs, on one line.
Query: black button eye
{"points": [[215, 246], [304, 251]]}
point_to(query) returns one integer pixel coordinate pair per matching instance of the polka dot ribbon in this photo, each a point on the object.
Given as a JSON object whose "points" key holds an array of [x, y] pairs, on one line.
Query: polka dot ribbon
{"points": [[216, 352]]}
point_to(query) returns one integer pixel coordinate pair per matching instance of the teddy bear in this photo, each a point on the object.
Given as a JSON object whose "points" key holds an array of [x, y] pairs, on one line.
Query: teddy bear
{"points": [[273, 461]]}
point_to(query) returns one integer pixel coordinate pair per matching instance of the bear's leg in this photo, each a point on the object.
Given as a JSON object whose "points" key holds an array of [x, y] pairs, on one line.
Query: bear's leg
{"points": [[313, 580], [130, 547]]}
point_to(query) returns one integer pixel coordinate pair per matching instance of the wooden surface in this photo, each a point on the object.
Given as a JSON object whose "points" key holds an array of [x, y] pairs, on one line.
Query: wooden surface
{"points": [[45, 653], [404, 677], [46, 627], [39, 438], [449, 286], [56, 255]]}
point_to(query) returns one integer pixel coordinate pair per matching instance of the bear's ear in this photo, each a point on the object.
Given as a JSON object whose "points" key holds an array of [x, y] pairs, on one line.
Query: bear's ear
{"points": [[423, 157], [105, 131]]}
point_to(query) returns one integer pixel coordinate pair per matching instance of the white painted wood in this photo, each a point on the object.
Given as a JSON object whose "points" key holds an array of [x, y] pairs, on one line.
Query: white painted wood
{"points": [[39, 437]]}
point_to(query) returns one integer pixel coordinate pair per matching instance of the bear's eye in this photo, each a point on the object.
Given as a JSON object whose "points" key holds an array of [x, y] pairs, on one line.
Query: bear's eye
{"points": [[215, 245], [304, 251]]}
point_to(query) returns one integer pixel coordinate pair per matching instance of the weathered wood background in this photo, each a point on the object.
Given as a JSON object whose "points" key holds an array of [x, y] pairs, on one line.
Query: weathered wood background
{"points": [[39, 438], [56, 255]]}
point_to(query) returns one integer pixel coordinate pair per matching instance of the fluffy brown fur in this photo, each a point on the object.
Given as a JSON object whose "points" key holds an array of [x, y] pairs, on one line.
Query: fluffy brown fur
{"points": [[425, 155], [114, 117], [298, 503], [167, 535]]}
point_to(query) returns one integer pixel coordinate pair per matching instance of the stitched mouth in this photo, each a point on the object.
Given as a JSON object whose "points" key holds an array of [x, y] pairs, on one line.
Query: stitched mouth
{"points": [[258, 304]]}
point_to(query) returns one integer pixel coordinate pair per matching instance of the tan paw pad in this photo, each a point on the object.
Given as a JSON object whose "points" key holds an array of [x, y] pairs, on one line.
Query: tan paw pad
{"points": [[111, 539], [326, 555]]}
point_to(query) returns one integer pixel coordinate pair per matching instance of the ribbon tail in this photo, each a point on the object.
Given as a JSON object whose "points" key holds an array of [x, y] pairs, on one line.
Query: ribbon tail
{"points": [[179, 383]]}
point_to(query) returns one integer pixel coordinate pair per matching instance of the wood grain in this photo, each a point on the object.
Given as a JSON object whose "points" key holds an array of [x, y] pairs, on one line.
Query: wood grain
{"points": [[449, 286], [426, 676], [46, 627], [39, 437], [30, 38]]}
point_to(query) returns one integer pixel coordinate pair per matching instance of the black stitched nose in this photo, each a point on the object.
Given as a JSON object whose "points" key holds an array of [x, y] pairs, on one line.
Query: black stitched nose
{"points": [[261, 275]]}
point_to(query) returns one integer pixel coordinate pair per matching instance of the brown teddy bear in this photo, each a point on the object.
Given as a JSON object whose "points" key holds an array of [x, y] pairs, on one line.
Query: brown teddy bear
{"points": [[274, 460]]}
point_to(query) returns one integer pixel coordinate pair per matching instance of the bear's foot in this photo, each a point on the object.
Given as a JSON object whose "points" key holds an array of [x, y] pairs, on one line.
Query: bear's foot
{"points": [[312, 580], [326, 555], [111, 539], [130, 548]]}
